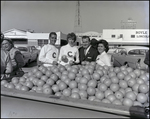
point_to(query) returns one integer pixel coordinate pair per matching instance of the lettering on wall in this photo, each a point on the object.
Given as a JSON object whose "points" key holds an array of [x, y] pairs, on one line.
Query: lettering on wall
{"points": [[142, 34]]}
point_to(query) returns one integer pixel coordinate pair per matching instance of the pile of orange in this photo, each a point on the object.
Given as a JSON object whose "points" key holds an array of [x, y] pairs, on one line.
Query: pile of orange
{"points": [[88, 81]]}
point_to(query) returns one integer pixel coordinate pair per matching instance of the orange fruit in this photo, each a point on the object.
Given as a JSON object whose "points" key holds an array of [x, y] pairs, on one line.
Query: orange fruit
{"points": [[84, 80], [131, 82], [75, 90], [75, 95], [108, 92], [129, 69], [96, 76], [105, 100], [123, 84], [102, 87], [54, 77], [144, 77], [131, 95], [44, 78], [66, 92], [83, 94], [119, 95], [100, 72], [84, 72], [127, 102], [136, 103], [62, 85], [83, 86], [117, 102], [142, 98], [135, 87], [114, 87], [92, 83], [58, 94], [127, 77], [120, 75], [100, 95], [50, 82], [143, 88], [107, 82], [40, 83], [111, 74], [132, 74], [29, 84], [117, 70], [71, 75], [55, 88], [91, 98], [114, 79], [73, 84], [48, 91], [111, 97], [38, 74], [25, 88], [11, 86], [140, 81], [123, 68], [137, 72], [91, 91]]}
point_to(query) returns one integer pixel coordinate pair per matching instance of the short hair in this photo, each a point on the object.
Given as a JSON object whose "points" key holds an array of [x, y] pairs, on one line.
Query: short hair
{"points": [[84, 37], [52, 33], [105, 43], [9, 40], [72, 36]]}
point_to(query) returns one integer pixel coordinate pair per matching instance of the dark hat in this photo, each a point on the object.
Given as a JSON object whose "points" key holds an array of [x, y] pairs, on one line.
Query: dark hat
{"points": [[9, 40]]}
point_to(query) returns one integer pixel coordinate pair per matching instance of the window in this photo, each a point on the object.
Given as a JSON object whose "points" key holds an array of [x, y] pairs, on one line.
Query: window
{"points": [[45, 41], [120, 51], [94, 36], [22, 48], [113, 36], [132, 36], [42, 42], [121, 35], [134, 52]]}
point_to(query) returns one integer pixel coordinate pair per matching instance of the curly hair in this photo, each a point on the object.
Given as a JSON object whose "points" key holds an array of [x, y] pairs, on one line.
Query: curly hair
{"points": [[72, 36], [105, 43]]}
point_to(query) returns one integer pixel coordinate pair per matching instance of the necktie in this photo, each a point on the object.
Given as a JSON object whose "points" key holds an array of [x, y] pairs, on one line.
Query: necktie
{"points": [[84, 51]]}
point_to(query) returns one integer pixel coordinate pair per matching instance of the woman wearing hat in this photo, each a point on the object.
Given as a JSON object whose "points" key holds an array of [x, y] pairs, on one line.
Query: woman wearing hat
{"points": [[6, 66], [16, 57]]}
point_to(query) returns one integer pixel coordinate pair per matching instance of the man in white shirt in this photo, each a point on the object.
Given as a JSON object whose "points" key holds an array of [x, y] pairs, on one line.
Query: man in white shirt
{"points": [[49, 53], [69, 53]]}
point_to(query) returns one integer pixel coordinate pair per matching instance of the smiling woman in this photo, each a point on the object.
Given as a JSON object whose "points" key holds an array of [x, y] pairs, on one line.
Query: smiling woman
{"points": [[103, 58]]}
